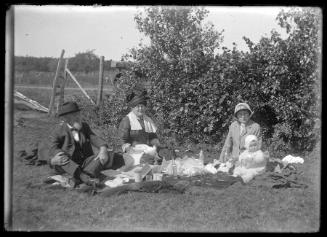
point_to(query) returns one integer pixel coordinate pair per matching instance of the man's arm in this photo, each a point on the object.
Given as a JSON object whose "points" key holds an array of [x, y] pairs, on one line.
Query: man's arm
{"points": [[94, 139], [56, 155], [56, 141], [99, 143]]}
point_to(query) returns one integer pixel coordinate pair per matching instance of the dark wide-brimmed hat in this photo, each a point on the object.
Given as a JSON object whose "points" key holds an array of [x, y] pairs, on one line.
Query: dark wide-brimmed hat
{"points": [[68, 108], [137, 97]]}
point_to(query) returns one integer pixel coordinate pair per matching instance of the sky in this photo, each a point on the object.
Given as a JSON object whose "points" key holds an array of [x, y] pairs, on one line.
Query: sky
{"points": [[43, 31]]}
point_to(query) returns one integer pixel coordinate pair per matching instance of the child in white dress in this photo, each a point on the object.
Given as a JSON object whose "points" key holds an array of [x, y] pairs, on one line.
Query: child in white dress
{"points": [[251, 162]]}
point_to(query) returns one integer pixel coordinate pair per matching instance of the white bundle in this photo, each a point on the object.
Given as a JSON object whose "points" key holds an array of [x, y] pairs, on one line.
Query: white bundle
{"points": [[118, 181], [149, 150], [211, 169], [225, 167], [292, 160]]}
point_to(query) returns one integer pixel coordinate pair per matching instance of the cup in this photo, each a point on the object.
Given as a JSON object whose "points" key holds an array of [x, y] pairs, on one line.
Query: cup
{"points": [[138, 177], [148, 177], [157, 176]]}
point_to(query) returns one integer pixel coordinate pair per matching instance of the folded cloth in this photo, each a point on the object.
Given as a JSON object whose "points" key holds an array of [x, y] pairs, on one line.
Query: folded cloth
{"points": [[289, 159], [149, 125], [291, 177]]}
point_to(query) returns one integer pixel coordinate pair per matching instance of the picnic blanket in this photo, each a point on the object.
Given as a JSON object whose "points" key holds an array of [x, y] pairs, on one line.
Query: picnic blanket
{"points": [[174, 185]]}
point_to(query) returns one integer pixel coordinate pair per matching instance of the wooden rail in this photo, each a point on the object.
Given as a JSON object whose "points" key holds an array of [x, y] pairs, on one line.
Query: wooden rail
{"points": [[54, 85], [75, 80]]}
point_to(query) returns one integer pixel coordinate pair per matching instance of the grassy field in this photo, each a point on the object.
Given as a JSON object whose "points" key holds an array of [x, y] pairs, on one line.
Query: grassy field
{"points": [[43, 95], [46, 78], [235, 209]]}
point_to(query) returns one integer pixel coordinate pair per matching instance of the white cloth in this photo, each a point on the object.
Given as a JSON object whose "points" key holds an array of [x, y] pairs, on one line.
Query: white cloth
{"points": [[225, 167], [149, 125], [248, 174], [211, 169], [252, 159], [75, 133], [138, 150], [125, 146], [292, 160], [146, 149], [118, 181]]}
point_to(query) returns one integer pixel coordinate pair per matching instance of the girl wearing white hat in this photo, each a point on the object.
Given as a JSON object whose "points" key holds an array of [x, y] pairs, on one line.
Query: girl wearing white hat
{"points": [[238, 130]]}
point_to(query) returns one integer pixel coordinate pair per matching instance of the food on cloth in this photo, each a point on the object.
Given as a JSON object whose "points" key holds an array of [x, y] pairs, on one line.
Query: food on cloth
{"points": [[210, 168], [139, 148], [118, 181], [188, 166], [134, 155], [225, 167]]}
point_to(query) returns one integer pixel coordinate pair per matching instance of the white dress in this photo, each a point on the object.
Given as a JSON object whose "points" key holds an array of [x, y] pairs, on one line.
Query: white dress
{"points": [[250, 165]]}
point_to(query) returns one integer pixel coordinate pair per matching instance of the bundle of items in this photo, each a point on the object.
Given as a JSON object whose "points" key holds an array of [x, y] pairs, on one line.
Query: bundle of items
{"points": [[283, 173]]}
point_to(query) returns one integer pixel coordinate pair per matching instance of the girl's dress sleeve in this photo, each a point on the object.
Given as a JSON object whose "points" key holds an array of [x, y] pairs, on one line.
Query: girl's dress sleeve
{"points": [[124, 133], [227, 145]]}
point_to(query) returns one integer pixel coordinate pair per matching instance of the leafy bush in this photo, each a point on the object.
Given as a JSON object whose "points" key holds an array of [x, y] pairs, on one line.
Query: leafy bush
{"points": [[193, 90]]}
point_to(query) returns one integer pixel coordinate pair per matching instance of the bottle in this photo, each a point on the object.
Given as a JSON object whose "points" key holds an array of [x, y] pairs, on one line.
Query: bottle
{"points": [[201, 156], [174, 166], [226, 157]]}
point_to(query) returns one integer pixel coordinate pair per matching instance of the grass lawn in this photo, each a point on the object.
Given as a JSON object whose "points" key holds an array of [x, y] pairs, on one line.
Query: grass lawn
{"points": [[237, 208]]}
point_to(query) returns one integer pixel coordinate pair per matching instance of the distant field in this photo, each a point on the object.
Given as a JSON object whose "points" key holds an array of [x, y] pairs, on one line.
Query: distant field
{"points": [[43, 95], [46, 78]]}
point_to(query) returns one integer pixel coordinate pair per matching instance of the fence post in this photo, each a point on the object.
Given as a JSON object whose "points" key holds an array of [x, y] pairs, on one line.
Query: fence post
{"points": [[54, 84], [100, 86], [62, 87]]}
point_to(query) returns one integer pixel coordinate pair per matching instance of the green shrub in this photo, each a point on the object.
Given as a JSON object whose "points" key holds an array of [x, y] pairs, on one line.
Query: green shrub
{"points": [[193, 90]]}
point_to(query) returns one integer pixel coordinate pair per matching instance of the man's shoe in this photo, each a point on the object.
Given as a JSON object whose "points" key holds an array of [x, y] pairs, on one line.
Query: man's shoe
{"points": [[83, 188], [49, 180]]}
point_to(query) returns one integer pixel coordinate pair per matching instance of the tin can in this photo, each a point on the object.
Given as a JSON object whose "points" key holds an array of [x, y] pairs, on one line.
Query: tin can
{"points": [[148, 177], [138, 177], [157, 176], [174, 170]]}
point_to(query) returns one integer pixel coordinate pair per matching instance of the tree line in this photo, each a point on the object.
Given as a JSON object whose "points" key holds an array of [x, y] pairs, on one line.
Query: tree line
{"points": [[85, 62]]}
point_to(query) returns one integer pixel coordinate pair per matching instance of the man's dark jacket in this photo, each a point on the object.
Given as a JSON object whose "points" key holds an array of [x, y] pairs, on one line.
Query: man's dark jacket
{"points": [[62, 140]]}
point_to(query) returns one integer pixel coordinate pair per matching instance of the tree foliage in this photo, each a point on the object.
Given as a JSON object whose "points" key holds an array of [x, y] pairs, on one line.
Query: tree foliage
{"points": [[193, 90], [83, 62]]}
